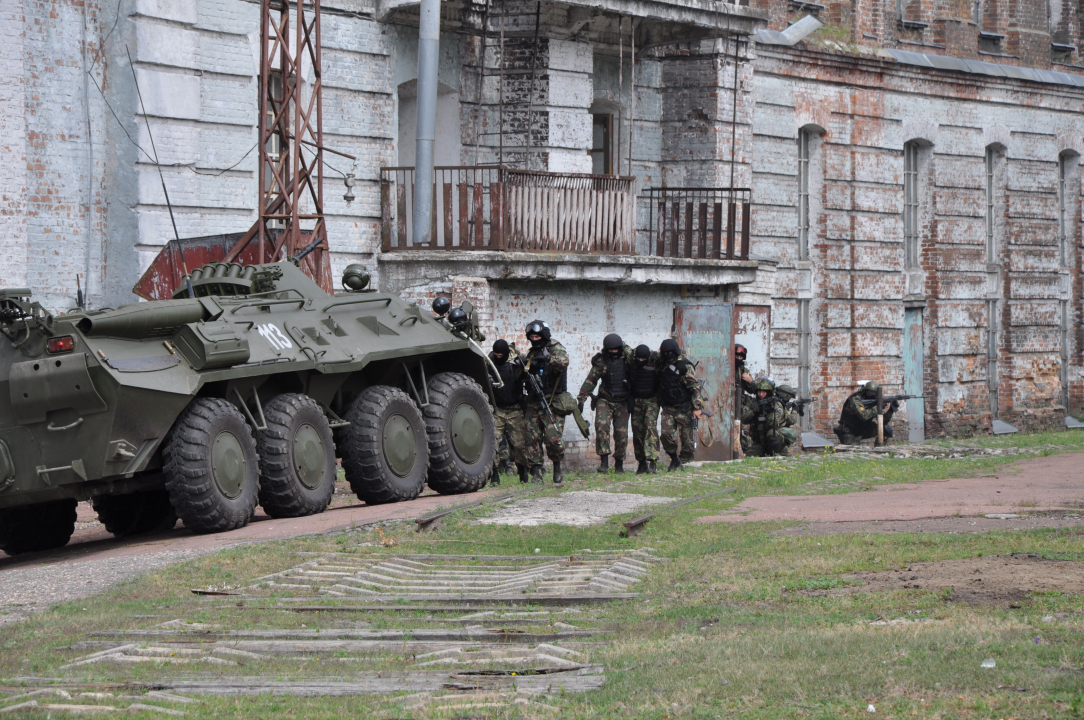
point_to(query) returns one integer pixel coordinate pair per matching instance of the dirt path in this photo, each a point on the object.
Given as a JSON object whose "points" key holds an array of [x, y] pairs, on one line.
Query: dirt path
{"points": [[95, 560], [1037, 485]]}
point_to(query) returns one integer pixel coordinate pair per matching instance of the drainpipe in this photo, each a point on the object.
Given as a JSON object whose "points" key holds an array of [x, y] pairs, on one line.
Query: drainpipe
{"points": [[428, 58]]}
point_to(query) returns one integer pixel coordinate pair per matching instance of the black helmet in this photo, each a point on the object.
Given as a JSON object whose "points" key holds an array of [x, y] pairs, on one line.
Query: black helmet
{"points": [[500, 351], [538, 327], [441, 305], [643, 352], [458, 317], [669, 347], [612, 342]]}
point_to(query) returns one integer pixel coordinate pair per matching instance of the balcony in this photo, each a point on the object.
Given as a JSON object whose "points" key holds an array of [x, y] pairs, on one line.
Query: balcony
{"points": [[503, 224], [496, 208]]}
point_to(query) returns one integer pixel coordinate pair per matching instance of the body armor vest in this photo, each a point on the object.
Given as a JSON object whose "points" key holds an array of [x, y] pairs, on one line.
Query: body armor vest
{"points": [[552, 383], [615, 381], [644, 382], [511, 394], [672, 391]]}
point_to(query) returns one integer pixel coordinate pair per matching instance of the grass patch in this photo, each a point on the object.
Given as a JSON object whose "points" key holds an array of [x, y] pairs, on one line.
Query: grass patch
{"points": [[720, 630]]}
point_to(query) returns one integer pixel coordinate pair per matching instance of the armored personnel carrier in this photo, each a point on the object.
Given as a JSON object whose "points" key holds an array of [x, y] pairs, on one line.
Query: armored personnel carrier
{"points": [[240, 390]]}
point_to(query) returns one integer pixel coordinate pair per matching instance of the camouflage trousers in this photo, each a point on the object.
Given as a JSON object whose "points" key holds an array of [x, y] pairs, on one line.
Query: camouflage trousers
{"points": [[847, 437], [609, 412], [509, 420], [764, 442], [645, 429], [677, 424], [539, 431]]}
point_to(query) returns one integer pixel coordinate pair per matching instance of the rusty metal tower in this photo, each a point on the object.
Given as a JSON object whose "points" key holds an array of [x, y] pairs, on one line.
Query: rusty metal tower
{"points": [[291, 171]]}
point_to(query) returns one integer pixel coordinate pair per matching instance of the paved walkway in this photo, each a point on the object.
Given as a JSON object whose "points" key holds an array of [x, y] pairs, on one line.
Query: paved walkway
{"points": [[1042, 484], [95, 560]]}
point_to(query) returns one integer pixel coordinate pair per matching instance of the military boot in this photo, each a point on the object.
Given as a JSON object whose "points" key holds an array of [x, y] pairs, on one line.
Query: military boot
{"points": [[558, 476], [675, 464], [495, 476], [603, 464], [641, 468], [536, 473], [508, 467], [619, 465], [651, 469], [522, 469]]}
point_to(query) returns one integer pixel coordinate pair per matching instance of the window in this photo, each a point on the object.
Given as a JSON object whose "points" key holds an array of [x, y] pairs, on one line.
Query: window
{"points": [[911, 239], [990, 205], [1064, 168], [274, 141], [602, 144], [804, 142]]}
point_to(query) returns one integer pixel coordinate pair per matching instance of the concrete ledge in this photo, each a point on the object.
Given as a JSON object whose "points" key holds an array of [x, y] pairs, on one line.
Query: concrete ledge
{"points": [[399, 270]]}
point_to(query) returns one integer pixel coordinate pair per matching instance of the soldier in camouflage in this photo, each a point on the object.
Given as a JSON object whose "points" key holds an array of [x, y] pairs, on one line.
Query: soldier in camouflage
{"points": [[790, 434], [610, 371], [547, 360], [508, 416], [681, 402], [858, 421], [766, 419], [645, 409]]}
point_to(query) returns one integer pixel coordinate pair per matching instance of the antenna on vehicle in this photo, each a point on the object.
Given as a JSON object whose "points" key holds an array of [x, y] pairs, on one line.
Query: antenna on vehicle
{"points": [[176, 235]]}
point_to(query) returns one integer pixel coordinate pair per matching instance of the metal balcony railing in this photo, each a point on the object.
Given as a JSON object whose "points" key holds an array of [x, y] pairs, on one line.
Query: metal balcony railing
{"points": [[496, 208], [704, 223]]}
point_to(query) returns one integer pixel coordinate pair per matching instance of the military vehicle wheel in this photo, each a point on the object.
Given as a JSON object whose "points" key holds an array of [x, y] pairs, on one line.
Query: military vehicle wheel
{"points": [[30, 528], [385, 456], [462, 439], [137, 513], [211, 467], [297, 458]]}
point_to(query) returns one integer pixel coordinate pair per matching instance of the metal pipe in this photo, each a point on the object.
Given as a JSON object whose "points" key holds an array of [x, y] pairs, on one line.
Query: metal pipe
{"points": [[428, 60]]}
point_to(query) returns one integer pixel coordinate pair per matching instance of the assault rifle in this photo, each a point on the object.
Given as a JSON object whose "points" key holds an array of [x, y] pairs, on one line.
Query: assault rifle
{"points": [[799, 404], [536, 387], [887, 400], [880, 401]]}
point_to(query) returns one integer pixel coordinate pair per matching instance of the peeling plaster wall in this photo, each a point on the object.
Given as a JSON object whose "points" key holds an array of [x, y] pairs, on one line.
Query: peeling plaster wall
{"points": [[869, 109]]}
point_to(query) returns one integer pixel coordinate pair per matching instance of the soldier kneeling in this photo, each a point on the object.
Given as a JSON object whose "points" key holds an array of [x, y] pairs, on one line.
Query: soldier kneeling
{"points": [[858, 420]]}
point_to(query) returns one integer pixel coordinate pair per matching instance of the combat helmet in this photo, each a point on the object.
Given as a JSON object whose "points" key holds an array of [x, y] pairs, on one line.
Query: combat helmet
{"points": [[786, 392], [870, 389]]}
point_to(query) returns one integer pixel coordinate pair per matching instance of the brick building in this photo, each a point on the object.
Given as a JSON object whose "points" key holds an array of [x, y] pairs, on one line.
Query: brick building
{"points": [[914, 171]]}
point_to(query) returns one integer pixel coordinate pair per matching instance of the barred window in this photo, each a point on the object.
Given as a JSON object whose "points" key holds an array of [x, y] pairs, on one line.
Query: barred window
{"points": [[804, 141], [1063, 208], [911, 240], [991, 250]]}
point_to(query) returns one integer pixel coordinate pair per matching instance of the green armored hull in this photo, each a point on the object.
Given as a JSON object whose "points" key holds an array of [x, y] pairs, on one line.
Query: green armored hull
{"points": [[245, 393]]}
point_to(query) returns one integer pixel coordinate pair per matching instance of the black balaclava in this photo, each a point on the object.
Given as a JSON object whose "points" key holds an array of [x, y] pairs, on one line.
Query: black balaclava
{"points": [[500, 351], [669, 349], [643, 353]]}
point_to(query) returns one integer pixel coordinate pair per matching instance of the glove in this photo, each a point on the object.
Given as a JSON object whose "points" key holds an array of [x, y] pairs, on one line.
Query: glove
{"points": [[579, 403], [895, 404]]}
